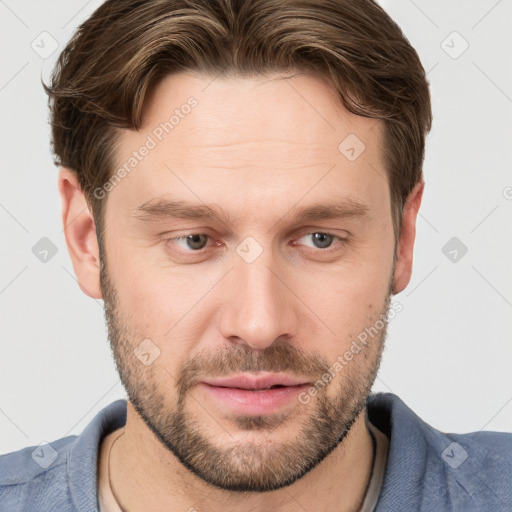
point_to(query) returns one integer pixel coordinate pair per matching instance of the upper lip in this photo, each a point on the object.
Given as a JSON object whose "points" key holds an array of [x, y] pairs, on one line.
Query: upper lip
{"points": [[248, 381]]}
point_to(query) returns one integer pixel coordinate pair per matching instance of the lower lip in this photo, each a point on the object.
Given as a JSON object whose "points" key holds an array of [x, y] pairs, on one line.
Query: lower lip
{"points": [[244, 401]]}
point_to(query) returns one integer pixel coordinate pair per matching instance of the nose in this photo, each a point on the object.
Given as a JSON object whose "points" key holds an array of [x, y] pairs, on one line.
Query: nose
{"points": [[257, 307]]}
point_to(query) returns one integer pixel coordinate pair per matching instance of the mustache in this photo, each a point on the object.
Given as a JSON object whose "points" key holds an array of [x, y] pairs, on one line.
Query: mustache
{"points": [[278, 357]]}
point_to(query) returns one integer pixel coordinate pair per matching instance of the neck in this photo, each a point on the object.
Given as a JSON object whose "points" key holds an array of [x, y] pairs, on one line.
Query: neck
{"points": [[145, 475]]}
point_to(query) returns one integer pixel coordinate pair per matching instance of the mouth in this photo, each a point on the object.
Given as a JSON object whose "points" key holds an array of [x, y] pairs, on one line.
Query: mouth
{"points": [[257, 383], [247, 394], [275, 386]]}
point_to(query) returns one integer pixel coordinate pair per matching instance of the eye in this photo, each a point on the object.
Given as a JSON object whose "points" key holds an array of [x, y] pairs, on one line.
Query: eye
{"points": [[197, 242], [321, 240], [194, 242]]}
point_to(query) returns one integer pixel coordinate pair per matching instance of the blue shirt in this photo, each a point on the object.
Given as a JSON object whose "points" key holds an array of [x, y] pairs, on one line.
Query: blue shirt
{"points": [[427, 470]]}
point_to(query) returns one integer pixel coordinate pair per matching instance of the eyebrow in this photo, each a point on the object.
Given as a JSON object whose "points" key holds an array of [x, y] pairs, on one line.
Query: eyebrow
{"points": [[163, 209], [168, 209]]}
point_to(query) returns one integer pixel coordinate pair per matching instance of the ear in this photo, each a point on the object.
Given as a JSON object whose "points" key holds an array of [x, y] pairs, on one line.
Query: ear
{"points": [[80, 233], [403, 265]]}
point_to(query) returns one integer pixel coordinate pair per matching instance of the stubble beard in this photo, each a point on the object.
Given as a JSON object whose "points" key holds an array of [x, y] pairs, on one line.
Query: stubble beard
{"points": [[252, 466]]}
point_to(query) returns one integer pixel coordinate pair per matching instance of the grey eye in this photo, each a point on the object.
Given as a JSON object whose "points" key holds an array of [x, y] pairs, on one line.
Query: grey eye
{"points": [[196, 241], [321, 240]]}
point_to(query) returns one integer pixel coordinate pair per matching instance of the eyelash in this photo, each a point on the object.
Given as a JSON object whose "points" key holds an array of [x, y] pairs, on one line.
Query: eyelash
{"points": [[338, 241]]}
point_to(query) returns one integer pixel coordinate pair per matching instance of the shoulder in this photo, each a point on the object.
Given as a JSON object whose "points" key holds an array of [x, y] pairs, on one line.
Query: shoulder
{"points": [[482, 461], [391, 414], [60, 475], [441, 470], [474, 470], [34, 478]]}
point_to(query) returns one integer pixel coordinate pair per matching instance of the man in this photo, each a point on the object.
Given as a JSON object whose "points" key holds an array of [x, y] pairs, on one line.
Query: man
{"points": [[240, 182]]}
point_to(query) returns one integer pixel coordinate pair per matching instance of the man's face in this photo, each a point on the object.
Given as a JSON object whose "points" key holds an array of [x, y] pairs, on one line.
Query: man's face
{"points": [[258, 290]]}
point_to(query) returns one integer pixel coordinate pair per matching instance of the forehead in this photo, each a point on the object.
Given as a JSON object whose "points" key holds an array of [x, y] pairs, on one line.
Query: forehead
{"points": [[293, 109], [254, 134]]}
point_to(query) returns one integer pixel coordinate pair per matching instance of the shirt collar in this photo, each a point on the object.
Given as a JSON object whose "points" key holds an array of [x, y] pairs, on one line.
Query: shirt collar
{"points": [[82, 467]]}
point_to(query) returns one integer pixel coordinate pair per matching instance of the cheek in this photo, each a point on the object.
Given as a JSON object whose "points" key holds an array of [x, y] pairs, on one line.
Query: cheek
{"points": [[171, 307], [349, 301], [145, 285]]}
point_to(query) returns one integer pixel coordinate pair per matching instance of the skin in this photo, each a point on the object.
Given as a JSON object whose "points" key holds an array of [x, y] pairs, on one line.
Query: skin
{"points": [[258, 148]]}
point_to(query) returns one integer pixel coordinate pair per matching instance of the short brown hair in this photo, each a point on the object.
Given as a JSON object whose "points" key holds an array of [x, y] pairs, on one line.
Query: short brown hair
{"points": [[117, 57]]}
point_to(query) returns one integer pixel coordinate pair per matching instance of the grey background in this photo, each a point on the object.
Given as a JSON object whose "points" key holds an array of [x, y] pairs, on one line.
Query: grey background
{"points": [[448, 352]]}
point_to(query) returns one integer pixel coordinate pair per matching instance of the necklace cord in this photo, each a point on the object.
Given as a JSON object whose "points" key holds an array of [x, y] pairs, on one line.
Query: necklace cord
{"points": [[374, 442], [108, 471]]}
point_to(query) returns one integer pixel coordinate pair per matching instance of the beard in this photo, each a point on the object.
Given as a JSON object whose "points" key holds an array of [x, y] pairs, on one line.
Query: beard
{"points": [[249, 465]]}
